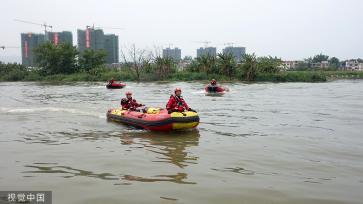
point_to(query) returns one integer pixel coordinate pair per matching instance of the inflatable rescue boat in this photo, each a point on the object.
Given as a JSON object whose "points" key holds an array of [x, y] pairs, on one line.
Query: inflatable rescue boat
{"points": [[155, 119]]}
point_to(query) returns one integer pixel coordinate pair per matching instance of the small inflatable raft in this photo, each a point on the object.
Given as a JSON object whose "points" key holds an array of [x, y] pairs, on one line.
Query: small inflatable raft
{"points": [[116, 86], [215, 90], [155, 119]]}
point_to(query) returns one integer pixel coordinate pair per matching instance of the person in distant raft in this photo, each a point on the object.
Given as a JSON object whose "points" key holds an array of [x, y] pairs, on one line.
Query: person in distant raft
{"points": [[213, 83], [212, 87], [111, 81], [176, 103], [129, 103]]}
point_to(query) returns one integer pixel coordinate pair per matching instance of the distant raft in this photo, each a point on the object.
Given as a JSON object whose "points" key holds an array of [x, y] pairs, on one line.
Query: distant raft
{"points": [[116, 86], [155, 119], [215, 90]]}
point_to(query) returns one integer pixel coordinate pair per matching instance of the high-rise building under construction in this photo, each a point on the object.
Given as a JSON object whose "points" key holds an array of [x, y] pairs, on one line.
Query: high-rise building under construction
{"points": [[204, 51], [236, 52], [60, 37], [175, 53], [30, 41], [95, 39]]}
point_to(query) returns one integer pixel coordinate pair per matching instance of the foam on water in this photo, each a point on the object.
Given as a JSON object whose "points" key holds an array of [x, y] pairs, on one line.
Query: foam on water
{"points": [[50, 109]]}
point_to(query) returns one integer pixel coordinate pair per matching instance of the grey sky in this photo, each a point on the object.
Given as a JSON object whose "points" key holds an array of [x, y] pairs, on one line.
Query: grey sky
{"points": [[290, 29]]}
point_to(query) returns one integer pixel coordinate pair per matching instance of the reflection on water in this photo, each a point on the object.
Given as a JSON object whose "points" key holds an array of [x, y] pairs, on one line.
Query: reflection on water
{"points": [[172, 147], [237, 170], [167, 147], [67, 172], [178, 178]]}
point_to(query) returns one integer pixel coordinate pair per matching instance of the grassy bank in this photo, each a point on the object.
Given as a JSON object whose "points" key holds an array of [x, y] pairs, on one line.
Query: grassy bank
{"points": [[128, 75], [293, 76]]}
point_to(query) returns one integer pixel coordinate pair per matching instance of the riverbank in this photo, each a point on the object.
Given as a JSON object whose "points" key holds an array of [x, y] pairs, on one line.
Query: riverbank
{"points": [[128, 75]]}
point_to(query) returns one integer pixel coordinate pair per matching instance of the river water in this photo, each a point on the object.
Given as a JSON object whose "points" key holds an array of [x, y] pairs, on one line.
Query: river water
{"points": [[259, 143]]}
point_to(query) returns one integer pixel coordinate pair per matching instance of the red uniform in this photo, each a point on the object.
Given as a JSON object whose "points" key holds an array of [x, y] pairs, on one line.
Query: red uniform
{"points": [[177, 103], [129, 104]]}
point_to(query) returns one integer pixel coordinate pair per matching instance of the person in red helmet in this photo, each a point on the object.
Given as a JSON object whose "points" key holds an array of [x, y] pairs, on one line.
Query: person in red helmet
{"points": [[111, 81], [176, 103], [212, 87], [129, 103], [213, 82]]}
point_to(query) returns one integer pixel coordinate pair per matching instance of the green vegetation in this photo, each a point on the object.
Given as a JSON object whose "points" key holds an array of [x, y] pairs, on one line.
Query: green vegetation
{"points": [[54, 59], [12, 72], [64, 63], [91, 59], [292, 76]]}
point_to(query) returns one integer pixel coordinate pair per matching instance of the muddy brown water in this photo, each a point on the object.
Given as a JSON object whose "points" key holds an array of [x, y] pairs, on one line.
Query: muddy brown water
{"points": [[259, 143]]}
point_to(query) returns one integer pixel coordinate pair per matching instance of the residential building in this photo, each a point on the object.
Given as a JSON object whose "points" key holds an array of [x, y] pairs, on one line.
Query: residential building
{"points": [[320, 65], [30, 41], [90, 39], [172, 53], [290, 65], [236, 52], [211, 51], [60, 37], [111, 47], [95, 39], [353, 65]]}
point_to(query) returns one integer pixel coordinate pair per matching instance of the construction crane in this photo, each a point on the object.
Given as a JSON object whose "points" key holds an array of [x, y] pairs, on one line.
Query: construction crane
{"points": [[3, 47], [229, 44], [103, 27], [40, 24], [206, 43]]}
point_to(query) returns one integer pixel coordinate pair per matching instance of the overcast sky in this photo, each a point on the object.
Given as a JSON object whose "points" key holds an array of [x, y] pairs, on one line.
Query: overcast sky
{"points": [[290, 29]]}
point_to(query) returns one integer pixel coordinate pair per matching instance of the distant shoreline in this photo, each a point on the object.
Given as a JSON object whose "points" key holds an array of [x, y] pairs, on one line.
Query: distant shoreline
{"points": [[282, 76]]}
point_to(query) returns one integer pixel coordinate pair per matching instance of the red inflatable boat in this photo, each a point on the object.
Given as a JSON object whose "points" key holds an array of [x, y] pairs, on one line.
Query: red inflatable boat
{"points": [[155, 119], [215, 90], [116, 85]]}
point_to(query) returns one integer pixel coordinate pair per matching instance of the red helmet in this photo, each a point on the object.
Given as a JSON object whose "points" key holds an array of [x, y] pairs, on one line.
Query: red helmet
{"points": [[177, 89], [128, 93], [213, 81]]}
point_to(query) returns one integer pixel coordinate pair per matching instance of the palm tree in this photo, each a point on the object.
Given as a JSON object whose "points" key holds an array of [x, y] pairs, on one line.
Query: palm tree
{"points": [[206, 63], [164, 66], [249, 67], [227, 64]]}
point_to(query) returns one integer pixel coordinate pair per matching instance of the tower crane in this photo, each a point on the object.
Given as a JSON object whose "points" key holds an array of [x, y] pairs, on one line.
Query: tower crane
{"points": [[206, 43], [7, 47], [103, 27], [230, 44], [45, 25]]}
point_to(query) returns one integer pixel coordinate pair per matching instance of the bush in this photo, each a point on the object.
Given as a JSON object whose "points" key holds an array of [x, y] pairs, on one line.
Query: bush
{"points": [[292, 76], [14, 75], [33, 76]]}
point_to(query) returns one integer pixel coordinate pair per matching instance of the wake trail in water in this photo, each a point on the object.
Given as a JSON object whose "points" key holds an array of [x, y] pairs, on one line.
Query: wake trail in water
{"points": [[50, 109]]}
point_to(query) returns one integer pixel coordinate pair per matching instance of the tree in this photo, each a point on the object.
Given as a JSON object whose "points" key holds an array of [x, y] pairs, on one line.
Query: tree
{"points": [[91, 59], [302, 66], [320, 58], [188, 58], [249, 67], [12, 71], [56, 59], [268, 64], [137, 57], [207, 64], [164, 66], [227, 64], [334, 62]]}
